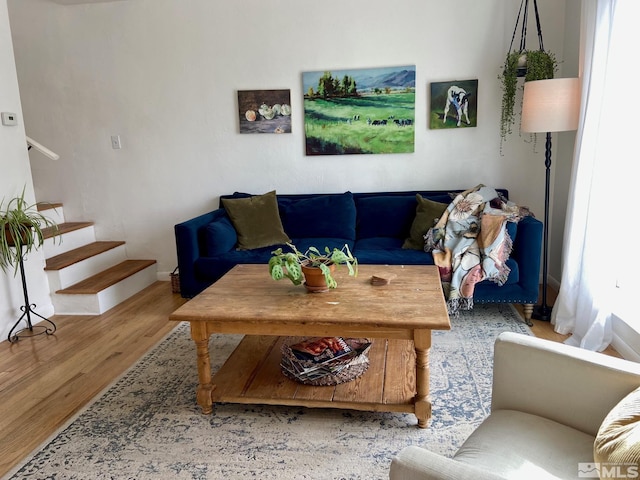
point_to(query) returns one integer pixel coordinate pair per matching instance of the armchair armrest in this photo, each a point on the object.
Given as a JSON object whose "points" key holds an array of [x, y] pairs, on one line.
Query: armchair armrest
{"points": [[415, 463], [566, 384]]}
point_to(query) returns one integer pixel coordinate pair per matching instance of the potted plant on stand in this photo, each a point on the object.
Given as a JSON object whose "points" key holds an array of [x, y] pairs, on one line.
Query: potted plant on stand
{"points": [[312, 266], [21, 231]]}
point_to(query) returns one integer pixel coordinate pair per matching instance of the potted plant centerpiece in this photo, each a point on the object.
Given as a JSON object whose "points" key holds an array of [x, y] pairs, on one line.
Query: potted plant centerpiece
{"points": [[21, 230], [314, 267]]}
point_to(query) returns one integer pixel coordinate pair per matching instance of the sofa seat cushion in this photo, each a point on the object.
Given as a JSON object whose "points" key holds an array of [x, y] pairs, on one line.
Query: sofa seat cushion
{"points": [[256, 220], [516, 445], [386, 250], [330, 215], [208, 268]]}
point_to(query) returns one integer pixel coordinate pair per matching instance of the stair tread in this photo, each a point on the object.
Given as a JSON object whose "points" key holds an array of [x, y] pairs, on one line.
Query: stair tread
{"points": [[82, 253], [64, 228], [107, 278], [48, 206]]}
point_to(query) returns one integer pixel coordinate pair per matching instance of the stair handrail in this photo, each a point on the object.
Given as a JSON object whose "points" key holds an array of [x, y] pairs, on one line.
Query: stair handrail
{"points": [[41, 148]]}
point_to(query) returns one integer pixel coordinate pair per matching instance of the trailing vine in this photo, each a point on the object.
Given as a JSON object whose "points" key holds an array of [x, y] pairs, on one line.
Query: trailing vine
{"points": [[509, 79]]}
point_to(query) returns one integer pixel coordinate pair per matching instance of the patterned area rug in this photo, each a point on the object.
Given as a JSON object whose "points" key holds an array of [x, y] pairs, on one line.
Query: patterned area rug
{"points": [[148, 426]]}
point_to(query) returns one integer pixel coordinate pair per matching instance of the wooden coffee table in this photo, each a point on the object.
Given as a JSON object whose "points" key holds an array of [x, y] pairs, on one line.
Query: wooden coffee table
{"points": [[399, 317]]}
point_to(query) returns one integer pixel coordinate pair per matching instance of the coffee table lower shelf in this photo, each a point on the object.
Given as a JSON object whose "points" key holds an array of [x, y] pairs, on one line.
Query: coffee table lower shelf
{"points": [[252, 375]]}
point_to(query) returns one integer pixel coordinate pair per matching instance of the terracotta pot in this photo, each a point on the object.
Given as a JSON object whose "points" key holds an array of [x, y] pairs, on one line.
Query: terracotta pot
{"points": [[9, 237], [314, 278]]}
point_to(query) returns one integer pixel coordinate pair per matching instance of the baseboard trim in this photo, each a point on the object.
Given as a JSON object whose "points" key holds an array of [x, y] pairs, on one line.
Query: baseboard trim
{"points": [[626, 338]]}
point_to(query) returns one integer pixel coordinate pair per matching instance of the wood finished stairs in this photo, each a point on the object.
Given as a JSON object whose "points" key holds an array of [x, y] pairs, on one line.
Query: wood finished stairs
{"points": [[88, 276]]}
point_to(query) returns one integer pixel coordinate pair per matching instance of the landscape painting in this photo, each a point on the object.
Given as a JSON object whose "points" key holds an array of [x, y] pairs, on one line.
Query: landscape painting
{"points": [[359, 111], [264, 111], [454, 104]]}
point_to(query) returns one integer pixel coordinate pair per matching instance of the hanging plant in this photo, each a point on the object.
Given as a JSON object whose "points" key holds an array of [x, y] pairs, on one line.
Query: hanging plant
{"points": [[509, 79], [540, 65], [21, 230]]}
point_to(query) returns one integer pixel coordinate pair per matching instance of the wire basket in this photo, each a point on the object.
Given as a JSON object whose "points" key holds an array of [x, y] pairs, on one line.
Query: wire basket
{"points": [[175, 281], [335, 373]]}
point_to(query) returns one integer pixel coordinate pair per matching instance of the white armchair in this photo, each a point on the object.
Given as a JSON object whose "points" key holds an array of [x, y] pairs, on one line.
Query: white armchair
{"points": [[549, 401]]}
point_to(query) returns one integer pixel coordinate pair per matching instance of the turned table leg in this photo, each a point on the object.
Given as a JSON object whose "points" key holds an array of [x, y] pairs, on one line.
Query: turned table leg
{"points": [[205, 388], [422, 342]]}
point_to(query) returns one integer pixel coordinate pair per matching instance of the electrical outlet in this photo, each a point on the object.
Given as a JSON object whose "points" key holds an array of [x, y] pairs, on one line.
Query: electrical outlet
{"points": [[9, 119], [115, 142]]}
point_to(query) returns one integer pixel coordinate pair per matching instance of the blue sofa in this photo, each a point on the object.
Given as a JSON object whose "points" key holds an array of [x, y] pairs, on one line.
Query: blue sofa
{"points": [[374, 225]]}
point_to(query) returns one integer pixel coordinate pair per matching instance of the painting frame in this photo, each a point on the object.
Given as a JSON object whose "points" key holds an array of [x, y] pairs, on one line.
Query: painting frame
{"points": [[359, 110], [264, 111], [453, 104]]}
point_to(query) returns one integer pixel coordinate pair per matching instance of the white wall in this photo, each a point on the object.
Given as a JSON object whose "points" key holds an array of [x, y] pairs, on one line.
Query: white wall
{"points": [[15, 174], [163, 74]]}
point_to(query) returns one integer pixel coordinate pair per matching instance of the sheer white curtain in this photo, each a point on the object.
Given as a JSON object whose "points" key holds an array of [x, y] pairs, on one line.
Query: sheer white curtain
{"points": [[596, 241]]}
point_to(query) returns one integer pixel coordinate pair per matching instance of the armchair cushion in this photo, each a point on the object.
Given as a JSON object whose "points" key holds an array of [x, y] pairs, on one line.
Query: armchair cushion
{"points": [[256, 220], [416, 463], [618, 440], [517, 445]]}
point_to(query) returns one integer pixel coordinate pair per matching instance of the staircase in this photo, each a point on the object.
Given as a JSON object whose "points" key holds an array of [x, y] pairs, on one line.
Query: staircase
{"points": [[86, 276]]}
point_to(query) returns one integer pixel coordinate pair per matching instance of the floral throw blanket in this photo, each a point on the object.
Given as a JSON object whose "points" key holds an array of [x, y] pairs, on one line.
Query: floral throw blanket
{"points": [[470, 243]]}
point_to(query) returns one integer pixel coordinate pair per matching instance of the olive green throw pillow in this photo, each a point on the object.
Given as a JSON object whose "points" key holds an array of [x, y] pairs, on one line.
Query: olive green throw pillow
{"points": [[427, 212], [618, 439], [256, 220]]}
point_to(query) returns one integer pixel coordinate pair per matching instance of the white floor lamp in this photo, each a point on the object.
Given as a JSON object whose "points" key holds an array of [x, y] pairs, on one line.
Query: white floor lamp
{"points": [[549, 106]]}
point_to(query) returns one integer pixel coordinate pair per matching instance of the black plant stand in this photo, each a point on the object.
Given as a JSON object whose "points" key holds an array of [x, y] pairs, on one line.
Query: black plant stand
{"points": [[27, 310]]}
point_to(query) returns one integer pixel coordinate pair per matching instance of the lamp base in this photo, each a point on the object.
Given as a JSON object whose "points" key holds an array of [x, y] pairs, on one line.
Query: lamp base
{"points": [[542, 312]]}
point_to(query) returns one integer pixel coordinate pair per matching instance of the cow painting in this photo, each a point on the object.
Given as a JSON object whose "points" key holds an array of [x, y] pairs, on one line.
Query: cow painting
{"points": [[459, 98], [453, 104]]}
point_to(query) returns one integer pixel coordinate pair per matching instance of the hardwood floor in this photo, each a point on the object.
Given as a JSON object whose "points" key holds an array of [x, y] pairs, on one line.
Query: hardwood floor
{"points": [[45, 380]]}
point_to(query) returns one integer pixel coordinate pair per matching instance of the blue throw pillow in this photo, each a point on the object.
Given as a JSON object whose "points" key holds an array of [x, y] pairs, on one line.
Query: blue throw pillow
{"points": [[220, 237], [324, 216]]}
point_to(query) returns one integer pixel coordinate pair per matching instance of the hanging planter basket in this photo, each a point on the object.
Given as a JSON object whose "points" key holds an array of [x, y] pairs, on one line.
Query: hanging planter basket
{"points": [[522, 63]]}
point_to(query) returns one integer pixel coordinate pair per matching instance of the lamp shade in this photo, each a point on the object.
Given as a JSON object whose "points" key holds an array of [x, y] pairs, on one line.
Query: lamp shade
{"points": [[551, 105]]}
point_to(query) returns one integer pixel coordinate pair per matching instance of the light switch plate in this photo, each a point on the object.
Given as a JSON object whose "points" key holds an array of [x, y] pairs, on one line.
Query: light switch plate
{"points": [[9, 119], [115, 142]]}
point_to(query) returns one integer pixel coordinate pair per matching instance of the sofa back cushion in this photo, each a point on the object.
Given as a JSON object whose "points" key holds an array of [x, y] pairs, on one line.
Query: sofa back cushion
{"points": [[385, 216], [321, 216]]}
